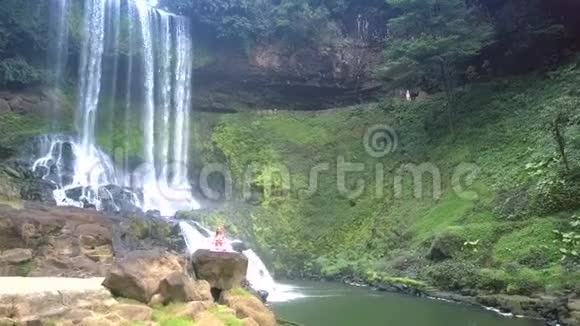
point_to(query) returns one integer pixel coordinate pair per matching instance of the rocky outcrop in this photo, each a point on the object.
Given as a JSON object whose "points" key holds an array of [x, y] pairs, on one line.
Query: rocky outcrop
{"points": [[18, 183], [541, 307], [40, 240], [273, 75], [223, 270], [153, 277], [248, 307]]}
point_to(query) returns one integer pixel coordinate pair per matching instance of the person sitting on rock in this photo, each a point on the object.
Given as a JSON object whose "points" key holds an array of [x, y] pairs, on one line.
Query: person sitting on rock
{"points": [[219, 239]]}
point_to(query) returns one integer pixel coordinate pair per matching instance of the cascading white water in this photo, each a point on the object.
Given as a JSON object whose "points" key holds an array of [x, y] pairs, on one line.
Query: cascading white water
{"points": [[166, 55], [258, 273], [61, 163], [158, 68], [362, 28], [90, 70], [145, 18], [165, 181], [197, 237], [59, 49]]}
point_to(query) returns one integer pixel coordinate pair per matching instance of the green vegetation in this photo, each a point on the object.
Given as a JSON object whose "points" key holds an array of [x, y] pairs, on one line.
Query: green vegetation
{"points": [[24, 268], [23, 42], [249, 21], [18, 71], [431, 41], [430, 38], [240, 292], [492, 235], [164, 316], [495, 207], [569, 240], [139, 228], [225, 315]]}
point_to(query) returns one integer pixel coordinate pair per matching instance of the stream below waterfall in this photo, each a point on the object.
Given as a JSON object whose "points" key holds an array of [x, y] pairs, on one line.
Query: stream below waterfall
{"points": [[321, 303]]}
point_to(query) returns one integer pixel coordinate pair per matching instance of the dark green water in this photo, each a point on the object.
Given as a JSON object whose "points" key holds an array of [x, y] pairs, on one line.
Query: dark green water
{"points": [[333, 304]]}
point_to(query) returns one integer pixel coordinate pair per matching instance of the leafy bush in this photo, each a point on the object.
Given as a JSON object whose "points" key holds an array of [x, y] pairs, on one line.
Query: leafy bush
{"points": [[343, 265], [493, 280], [525, 282], [537, 257], [454, 275], [16, 71], [402, 262], [514, 204], [569, 240], [556, 190]]}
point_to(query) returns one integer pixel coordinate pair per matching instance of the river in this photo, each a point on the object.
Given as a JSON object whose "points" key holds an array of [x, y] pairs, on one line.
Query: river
{"points": [[334, 304]]}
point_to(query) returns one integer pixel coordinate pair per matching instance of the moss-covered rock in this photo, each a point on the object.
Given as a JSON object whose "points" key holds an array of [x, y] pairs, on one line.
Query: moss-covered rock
{"points": [[445, 246], [248, 306]]}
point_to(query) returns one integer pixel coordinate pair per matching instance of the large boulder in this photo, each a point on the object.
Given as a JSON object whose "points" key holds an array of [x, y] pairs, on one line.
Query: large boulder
{"points": [[139, 275], [248, 306], [223, 270], [179, 287]]}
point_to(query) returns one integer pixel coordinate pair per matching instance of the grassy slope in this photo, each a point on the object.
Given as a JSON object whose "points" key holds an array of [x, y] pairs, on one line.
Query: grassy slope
{"points": [[499, 126]]}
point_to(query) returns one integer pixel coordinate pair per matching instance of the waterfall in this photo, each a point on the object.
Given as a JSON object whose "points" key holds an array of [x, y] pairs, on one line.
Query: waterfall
{"points": [[65, 163], [167, 61], [198, 237], [258, 273], [58, 52], [156, 61], [362, 28], [59, 48], [161, 78], [90, 69]]}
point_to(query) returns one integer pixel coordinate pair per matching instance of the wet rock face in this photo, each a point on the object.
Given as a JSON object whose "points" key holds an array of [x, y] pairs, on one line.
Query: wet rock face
{"points": [[54, 241], [18, 183], [275, 75], [223, 270]]}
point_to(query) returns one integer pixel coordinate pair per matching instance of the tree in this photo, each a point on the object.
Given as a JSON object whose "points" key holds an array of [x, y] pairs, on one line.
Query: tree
{"points": [[434, 38], [227, 18]]}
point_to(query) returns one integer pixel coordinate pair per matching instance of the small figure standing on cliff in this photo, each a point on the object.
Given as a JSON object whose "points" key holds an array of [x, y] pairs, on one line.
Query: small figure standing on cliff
{"points": [[219, 239]]}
